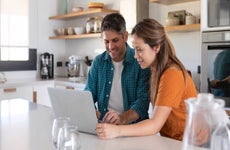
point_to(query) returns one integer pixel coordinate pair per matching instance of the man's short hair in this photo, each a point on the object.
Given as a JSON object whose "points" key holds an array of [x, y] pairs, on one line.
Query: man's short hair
{"points": [[114, 22]]}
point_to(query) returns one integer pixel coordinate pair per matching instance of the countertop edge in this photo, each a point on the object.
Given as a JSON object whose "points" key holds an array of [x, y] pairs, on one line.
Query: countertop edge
{"points": [[33, 81]]}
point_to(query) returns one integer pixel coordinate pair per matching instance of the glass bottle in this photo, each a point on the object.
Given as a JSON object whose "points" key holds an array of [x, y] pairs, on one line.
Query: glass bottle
{"points": [[220, 139], [97, 24], [203, 115], [68, 138], [90, 25], [64, 6]]}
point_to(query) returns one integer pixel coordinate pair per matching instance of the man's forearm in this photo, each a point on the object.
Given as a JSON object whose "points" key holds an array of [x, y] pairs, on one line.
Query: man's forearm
{"points": [[129, 116]]}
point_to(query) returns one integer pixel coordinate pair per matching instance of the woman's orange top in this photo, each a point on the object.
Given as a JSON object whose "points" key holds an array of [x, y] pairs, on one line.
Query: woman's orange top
{"points": [[172, 92]]}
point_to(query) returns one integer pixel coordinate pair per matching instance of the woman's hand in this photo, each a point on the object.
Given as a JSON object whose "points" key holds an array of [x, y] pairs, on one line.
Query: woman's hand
{"points": [[107, 131]]}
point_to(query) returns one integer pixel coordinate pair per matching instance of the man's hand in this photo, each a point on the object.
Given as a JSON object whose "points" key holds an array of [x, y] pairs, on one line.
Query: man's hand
{"points": [[214, 83], [126, 117], [98, 114], [112, 117]]}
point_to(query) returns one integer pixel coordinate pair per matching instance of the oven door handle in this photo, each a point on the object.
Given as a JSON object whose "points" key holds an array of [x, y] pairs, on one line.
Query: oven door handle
{"points": [[210, 47]]}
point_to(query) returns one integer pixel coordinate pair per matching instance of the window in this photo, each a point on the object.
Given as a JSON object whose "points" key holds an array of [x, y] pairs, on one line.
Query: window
{"points": [[14, 30]]}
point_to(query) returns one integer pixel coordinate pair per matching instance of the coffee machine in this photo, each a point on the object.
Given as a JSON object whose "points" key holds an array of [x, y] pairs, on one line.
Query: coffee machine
{"points": [[46, 66]]}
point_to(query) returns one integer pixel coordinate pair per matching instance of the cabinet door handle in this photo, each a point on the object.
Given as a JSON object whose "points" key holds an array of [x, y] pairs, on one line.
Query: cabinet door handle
{"points": [[35, 96], [70, 87], [9, 90], [228, 112]]}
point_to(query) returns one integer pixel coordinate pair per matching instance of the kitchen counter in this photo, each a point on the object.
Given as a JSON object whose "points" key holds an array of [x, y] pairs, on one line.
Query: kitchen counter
{"points": [[79, 83], [64, 81], [27, 126], [35, 90], [23, 82]]}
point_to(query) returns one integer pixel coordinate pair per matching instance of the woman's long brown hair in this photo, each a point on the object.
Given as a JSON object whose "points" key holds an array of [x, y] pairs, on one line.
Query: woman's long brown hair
{"points": [[153, 34]]}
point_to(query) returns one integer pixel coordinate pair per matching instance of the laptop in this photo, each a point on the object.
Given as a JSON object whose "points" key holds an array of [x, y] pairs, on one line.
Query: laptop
{"points": [[76, 104]]}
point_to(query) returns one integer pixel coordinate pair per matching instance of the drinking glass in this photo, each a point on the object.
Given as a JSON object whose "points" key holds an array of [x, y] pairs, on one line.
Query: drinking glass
{"points": [[57, 124], [68, 138]]}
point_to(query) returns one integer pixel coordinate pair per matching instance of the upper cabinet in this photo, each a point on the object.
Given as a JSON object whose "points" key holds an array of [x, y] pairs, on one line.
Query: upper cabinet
{"points": [[75, 15], [170, 2]]}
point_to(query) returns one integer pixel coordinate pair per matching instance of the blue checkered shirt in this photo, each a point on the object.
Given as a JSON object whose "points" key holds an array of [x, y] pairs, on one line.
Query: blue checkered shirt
{"points": [[135, 83]]}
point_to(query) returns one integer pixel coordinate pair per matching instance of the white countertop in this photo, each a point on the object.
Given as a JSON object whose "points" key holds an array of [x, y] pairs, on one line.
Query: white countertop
{"points": [[68, 82], [27, 126], [37, 81]]}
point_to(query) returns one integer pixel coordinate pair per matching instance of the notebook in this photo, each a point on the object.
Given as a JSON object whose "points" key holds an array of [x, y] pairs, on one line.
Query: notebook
{"points": [[76, 104]]}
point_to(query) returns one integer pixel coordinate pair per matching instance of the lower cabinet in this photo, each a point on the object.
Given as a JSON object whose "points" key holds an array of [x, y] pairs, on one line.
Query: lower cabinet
{"points": [[37, 92], [41, 95], [76, 86], [34, 93], [24, 92]]}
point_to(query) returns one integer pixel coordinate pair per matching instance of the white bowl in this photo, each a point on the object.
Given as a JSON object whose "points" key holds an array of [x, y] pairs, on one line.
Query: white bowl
{"points": [[60, 31], [79, 30], [77, 9], [70, 31]]}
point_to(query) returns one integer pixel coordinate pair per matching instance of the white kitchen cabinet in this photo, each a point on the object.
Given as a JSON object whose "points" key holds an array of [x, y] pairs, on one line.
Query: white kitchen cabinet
{"points": [[41, 94], [24, 92]]}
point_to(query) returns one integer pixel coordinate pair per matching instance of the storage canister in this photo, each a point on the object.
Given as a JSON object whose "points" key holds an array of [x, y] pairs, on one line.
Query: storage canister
{"points": [[90, 25], [97, 24]]}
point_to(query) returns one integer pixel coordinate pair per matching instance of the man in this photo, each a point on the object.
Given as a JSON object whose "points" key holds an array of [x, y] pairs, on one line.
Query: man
{"points": [[118, 84], [221, 72]]}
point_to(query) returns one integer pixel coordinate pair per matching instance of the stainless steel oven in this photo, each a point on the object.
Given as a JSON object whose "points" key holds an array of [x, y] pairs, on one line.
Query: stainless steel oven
{"points": [[215, 15], [215, 67]]}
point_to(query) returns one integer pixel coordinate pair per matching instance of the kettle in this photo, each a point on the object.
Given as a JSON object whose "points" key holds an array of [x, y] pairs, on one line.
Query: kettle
{"points": [[204, 114]]}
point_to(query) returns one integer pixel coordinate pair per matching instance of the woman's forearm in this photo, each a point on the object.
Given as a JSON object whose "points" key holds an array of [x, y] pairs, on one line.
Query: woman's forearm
{"points": [[145, 127]]}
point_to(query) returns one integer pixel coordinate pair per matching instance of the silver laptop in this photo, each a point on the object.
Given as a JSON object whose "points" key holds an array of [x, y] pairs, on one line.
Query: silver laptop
{"points": [[76, 104]]}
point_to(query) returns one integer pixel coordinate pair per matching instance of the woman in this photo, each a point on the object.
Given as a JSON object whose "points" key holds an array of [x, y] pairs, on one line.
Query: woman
{"points": [[171, 85]]}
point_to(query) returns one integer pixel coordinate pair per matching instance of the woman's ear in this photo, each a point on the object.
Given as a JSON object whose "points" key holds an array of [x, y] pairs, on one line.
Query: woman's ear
{"points": [[156, 48]]}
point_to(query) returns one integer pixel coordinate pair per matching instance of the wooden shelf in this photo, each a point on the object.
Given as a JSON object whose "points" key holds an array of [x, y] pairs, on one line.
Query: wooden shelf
{"points": [[80, 36], [190, 27], [170, 2], [84, 13]]}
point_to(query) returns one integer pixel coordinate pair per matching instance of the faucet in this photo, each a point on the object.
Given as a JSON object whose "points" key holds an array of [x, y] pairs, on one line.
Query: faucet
{"points": [[2, 77]]}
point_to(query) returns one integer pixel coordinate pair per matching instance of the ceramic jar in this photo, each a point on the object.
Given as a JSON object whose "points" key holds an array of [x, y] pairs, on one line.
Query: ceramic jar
{"points": [[172, 21], [190, 19]]}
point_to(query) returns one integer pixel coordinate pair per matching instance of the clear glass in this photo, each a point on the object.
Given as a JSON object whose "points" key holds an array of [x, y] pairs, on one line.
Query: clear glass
{"points": [[58, 123], [68, 138], [220, 139], [203, 115]]}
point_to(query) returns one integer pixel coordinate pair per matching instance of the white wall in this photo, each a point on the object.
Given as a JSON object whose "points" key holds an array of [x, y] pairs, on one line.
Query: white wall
{"points": [[187, 44]]}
